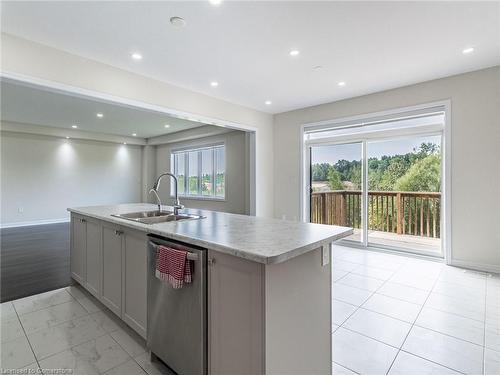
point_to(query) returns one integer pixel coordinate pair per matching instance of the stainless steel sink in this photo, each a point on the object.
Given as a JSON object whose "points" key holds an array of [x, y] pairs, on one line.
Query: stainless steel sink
{"points": [[154, 217], [144, 214]]}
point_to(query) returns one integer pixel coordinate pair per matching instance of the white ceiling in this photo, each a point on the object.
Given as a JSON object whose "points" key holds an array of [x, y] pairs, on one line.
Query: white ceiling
{"points": [[372, 46], [37, 106]]}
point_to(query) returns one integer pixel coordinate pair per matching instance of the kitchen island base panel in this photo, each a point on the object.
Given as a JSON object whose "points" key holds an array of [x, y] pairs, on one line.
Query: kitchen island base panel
{"points": [[298, 316]]}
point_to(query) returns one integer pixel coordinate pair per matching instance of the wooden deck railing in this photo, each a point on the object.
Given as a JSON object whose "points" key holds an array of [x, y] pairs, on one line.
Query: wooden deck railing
{"points": [[400, 212]]}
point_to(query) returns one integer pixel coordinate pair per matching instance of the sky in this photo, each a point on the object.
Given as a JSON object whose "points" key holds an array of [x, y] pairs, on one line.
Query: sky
{"points": [[334, 153]]}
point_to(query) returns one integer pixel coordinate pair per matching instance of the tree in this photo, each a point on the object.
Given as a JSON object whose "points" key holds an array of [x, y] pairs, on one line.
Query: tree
{"points": [[383, 172], [424, 175], [334, 180], [355, 176], [394, 171], [320, 171], [427, 148], [343, 167]]}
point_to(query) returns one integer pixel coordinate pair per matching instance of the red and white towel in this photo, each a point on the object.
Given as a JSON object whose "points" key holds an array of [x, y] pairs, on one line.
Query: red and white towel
{"points": [[173, 266]]}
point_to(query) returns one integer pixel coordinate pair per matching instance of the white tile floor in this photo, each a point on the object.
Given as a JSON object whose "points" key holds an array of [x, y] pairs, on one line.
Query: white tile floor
{"points": [[392, 315], [400, 315], [69, 329]]}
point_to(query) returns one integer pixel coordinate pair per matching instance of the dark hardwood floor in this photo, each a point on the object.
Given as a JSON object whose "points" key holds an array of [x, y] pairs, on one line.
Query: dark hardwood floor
{"points": [[33, 260]]}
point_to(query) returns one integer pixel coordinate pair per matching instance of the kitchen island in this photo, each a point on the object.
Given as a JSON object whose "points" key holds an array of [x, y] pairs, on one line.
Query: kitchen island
{"points": [[269, 282]]}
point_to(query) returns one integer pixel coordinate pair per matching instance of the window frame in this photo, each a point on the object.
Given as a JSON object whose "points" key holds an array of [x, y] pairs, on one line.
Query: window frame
{"points": [[199, 150]]}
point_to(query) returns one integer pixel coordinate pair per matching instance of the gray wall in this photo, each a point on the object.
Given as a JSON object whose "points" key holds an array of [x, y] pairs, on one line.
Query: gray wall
{"points": [[237, 192], [44, 175], [475, 155]]}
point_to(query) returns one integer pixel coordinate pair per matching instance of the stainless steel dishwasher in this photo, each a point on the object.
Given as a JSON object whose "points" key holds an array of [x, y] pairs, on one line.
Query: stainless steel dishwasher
{"points": [[177, 318]]}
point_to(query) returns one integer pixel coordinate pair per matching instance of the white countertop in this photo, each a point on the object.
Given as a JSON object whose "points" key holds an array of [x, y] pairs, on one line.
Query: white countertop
{"points": [[258, 239]]}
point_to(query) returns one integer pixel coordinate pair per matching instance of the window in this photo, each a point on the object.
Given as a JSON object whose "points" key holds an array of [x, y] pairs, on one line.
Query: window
{"points": [[201, 172]]}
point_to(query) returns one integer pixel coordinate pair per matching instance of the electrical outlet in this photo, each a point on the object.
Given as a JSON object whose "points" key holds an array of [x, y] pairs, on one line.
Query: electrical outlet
{"points": [[325, 254], [20, 210]]}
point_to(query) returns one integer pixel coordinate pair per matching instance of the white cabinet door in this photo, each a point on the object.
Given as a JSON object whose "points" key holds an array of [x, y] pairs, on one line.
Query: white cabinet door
{"points": [[93, 258], [235, 308], [78, 248], [135, 281], [112, 268]]}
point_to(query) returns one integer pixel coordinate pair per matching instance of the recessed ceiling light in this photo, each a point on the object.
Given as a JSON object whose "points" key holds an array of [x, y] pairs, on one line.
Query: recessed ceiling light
{"points": [[341, 84], [468, 50], [214, 83], [67, 137], [215, 2], [124, 143], [268, 102], [294, 52], [100, 115], [134, 135], [74, 126], [167, 126], [136, 56], [178, 22]]}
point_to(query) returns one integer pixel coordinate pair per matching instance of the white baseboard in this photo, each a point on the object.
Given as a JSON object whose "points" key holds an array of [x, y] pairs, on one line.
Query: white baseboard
{"points": [[34, 222], [476, 266]]}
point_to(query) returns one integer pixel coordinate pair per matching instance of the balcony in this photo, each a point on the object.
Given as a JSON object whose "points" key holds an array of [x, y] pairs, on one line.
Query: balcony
{"points": [[397, 219]]}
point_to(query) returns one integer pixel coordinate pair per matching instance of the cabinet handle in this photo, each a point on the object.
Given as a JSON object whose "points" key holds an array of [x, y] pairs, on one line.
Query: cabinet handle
{"points": [[83, 221], [211, 261], [118, 232]]}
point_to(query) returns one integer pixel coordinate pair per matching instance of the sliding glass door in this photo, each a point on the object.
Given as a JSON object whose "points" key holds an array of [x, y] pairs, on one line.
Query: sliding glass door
{"points": [[336, 180], [404, 184], [385, 181]]}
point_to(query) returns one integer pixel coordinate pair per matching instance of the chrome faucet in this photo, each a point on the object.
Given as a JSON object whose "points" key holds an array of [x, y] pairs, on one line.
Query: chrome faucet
{"points": [[177, 204], [157, 198]]}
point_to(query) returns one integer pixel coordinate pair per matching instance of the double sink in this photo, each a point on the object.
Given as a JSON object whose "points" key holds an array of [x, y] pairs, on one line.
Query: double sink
{"points": [[154, 217]]}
